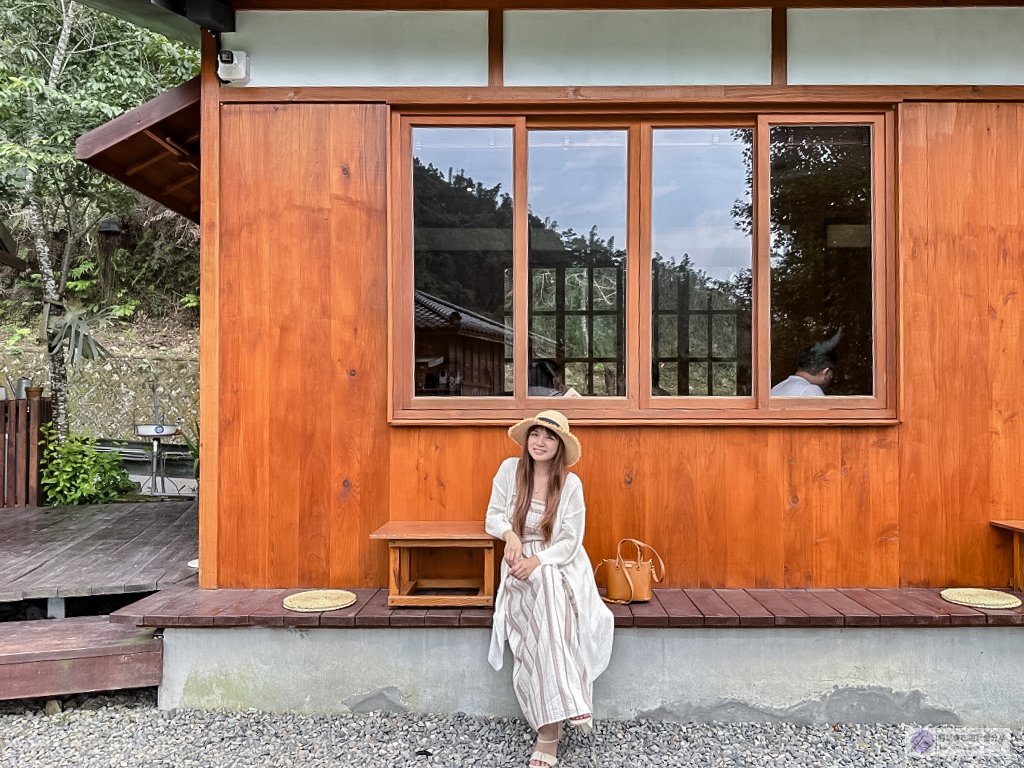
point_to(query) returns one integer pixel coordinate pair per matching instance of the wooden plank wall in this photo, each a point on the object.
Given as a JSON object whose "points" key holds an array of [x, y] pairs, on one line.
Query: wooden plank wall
{"points": [[303, 442], [962, 243], [303, 305], [725, 507]]}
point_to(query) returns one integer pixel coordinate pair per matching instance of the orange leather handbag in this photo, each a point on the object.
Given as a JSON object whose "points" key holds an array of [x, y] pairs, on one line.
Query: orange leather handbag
{"points": [[631, 581]]}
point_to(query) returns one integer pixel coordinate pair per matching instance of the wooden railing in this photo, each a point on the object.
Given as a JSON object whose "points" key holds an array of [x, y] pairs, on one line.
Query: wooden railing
{"points": [[20, 425]]}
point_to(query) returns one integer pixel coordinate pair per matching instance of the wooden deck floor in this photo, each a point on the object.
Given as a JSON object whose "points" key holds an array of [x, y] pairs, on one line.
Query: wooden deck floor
{"points": [[96, 550], [669, 608]]}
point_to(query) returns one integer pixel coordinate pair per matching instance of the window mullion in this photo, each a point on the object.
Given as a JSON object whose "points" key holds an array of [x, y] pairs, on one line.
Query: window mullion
{"points": [[762, 274], [638, 268], [520, 266]]}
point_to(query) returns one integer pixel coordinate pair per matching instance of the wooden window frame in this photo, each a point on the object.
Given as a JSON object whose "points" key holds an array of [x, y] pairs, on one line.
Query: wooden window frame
{"points": [[639, 406]]}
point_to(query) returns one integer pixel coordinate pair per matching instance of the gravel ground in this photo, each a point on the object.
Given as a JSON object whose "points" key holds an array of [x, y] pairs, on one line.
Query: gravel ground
{"points": [[108, 731]]}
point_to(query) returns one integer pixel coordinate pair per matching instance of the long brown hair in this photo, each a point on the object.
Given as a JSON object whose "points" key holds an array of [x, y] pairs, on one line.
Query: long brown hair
{"points": [[524, 488]]}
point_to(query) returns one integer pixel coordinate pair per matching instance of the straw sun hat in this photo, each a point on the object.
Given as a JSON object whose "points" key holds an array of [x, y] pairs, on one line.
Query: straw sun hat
{"points": [[558, 424]]}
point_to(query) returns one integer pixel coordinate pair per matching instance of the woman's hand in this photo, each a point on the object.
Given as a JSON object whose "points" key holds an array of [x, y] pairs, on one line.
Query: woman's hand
{"points": [[513, 548], [524, 567]]}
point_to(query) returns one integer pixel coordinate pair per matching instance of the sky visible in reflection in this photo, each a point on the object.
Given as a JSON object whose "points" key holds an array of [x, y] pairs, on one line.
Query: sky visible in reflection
{"points": [[698, 177], [578, 179]]}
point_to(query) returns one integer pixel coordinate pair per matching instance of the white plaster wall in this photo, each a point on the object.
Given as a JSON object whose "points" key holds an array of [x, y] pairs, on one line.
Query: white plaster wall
{"points": [[362, 48], [644, 47], [906, 46], [955, 675]]}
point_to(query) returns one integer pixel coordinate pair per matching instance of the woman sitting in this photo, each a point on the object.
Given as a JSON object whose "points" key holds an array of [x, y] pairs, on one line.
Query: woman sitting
{"points": [[547, 606]]}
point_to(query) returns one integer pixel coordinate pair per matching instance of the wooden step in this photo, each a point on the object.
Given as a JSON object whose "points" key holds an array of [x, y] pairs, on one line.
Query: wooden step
{"points": [[62, 656]]}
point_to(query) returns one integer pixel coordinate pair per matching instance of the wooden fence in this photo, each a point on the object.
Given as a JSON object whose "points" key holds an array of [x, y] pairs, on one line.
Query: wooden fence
{"points": [[20, 424]]}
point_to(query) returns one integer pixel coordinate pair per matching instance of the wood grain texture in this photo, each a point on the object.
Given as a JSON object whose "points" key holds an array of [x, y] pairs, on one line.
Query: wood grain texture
{"points": [[92, 550], [668, 608], [209, 315], [495, 47], [608, 99], [780, 46], [433, 5], [796, 518], [77, 675], [751, 506], [961, 173], [303, 448], [20, 422]]}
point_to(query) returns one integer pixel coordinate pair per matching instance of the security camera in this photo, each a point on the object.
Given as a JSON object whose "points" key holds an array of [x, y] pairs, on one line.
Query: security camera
{"points": [[233, 67]]}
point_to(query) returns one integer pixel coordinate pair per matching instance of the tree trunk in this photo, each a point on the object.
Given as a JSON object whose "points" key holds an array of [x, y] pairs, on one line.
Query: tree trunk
{"points": [[57, 366], [59, 393], [61, 52]]}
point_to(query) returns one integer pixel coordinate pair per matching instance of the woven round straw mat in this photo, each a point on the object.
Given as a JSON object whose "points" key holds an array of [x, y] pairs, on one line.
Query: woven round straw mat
{"points": [[317, 600], [980, 598]]}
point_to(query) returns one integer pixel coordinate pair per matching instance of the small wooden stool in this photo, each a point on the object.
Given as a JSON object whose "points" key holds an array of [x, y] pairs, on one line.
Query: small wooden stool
{"points": [[405, 536], [1017, 526]]}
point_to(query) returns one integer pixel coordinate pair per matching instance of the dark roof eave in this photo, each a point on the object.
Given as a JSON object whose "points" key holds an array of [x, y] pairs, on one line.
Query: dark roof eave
{"points": [[130, 147], [146, 14]]}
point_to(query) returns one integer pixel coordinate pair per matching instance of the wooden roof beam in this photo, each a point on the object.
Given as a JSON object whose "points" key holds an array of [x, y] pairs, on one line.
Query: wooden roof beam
{"points": [[179, 184], [132, 170]]}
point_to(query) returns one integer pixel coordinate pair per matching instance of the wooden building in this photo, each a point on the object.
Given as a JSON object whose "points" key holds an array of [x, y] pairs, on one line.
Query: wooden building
{"points": [[658, 206]]}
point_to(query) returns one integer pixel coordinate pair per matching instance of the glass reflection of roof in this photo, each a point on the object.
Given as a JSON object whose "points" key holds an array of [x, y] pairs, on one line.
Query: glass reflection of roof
{"points": [[544, 138], [433, 312], [477, 139]]}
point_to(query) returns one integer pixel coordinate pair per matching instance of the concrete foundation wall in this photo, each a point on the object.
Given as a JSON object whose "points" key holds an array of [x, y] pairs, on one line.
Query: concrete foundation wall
{"points": [[965, 676]]}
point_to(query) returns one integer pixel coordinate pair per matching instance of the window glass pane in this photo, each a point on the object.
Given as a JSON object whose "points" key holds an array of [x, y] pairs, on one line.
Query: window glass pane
{"points": [[577, 201], [821, 316], [702, 262], [462, 236]]}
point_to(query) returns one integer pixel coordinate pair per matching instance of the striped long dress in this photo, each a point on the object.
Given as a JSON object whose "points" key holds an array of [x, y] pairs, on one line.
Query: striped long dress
{"points": [[549, 676]]}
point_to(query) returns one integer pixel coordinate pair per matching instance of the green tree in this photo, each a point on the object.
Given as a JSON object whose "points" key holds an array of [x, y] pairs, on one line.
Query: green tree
{"points": [[65, 69], [820, 181], [480, 280]]}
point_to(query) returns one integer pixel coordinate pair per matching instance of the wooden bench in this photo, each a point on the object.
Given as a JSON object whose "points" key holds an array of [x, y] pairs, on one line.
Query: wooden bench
{"points": [[405, 538], [670, 608], [1017, 526]]}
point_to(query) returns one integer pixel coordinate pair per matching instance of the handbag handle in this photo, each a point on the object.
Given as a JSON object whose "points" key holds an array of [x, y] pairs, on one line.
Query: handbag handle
{"points": [[625, 571], [640, 546]]}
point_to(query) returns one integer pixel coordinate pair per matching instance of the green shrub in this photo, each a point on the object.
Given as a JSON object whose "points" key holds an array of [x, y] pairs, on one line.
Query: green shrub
{"points": [[77, 473]]}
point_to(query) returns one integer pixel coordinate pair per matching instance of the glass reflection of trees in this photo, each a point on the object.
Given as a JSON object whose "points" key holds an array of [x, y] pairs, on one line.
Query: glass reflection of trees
{"points": [[578, 332], [577, 310], [821, 249], [700, 301], [577, 297], [821, 280], [462, 252], [701, 334]]}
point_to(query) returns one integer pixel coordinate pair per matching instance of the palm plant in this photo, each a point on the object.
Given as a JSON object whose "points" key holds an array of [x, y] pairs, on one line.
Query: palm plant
{"points": [[71, 340]]}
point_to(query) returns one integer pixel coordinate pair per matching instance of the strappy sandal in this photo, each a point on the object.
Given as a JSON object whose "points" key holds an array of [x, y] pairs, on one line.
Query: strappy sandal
{"points": [[548, 761], [585, 724]]}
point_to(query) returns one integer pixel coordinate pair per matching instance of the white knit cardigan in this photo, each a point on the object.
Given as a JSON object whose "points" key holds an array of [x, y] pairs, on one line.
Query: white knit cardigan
{"points": [[596, 623]]}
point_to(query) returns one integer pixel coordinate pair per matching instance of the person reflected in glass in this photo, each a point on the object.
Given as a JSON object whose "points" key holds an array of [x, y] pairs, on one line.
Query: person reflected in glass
{"points": [[656, 388], [547, 606], [545, 378], [816, 365]]}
